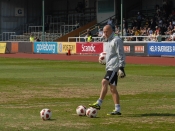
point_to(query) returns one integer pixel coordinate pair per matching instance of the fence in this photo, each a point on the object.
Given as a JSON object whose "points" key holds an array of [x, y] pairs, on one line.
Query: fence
{"points": [[67, 28]]}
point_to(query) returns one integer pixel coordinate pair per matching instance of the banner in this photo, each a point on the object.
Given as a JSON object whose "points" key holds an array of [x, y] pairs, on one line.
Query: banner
{"points": [[160, 48], [89, 47], [63, 47], [46, 47], [2, 47]]}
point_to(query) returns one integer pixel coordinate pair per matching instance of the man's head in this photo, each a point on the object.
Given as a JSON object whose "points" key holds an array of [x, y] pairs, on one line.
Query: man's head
{"points": [[107, 31]]}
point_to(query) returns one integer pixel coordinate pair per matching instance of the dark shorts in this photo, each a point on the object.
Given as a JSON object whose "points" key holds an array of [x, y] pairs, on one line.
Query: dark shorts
{"points": [[112, 77]]}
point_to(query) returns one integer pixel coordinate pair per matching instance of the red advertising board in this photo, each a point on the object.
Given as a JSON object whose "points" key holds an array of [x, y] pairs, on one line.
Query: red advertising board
{"points": [[89, 47], [139, 49], [127, 49]]}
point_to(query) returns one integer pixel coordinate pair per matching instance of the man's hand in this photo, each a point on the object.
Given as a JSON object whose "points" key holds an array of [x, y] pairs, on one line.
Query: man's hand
{"points": [[121, 72]]}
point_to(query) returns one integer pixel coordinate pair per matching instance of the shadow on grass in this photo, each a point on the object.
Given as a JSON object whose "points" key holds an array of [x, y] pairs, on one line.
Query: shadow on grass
{"points": [[52, 119], [151, 114]]}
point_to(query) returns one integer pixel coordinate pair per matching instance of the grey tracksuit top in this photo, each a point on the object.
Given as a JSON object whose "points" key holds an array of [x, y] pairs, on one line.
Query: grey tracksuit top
{"points": [[115, 56]]}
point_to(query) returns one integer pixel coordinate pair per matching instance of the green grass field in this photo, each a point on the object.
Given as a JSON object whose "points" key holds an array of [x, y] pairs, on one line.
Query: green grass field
{"points": [[27, 86]]}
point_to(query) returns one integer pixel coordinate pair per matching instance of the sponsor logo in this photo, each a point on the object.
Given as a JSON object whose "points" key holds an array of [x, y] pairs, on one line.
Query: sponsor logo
{"points": [[45, 47], [90, 48], [162, 48], [139, 49], [127, 49], [67, 47]]}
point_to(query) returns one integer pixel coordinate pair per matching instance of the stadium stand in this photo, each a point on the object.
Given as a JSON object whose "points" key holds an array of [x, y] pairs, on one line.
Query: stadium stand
{"points": [[140, 24]]}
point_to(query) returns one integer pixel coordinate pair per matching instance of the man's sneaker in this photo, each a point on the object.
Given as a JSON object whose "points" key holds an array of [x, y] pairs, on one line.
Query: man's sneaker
{"points": [[114, 113], [95, 105]]}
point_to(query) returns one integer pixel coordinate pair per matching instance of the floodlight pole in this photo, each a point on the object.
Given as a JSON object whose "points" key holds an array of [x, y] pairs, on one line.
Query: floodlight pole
{"points": [[121, 17], [43, 16]]}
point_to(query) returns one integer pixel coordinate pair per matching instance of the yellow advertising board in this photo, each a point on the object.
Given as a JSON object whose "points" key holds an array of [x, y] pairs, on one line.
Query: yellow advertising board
{"points": [[63, 47], [2, 47]]}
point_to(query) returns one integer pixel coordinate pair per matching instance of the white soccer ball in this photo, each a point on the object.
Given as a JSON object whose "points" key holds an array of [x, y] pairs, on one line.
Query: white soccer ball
{"points": [[81, 110], [91, 112], [102, 58], [45, 114]]}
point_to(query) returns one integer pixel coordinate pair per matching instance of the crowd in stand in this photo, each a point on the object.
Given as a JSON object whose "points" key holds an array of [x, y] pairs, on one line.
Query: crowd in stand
{"points": [[151, 29]]}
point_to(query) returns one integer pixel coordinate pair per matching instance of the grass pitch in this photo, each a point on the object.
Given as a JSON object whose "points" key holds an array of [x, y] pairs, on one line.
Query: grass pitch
{"points": [[27, 86]]}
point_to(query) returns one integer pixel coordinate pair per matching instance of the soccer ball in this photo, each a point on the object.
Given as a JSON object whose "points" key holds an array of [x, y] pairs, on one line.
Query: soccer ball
{"points": [[91, 112], [102, 58], [81, 110], [45, 114]]}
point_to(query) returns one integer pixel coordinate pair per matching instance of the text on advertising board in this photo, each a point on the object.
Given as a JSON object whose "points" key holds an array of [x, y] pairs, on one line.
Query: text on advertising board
{"points": [[45, 47], [89, 47], [162, 48], [63, 47], [158, 49], [139, 49], [127, 49]]}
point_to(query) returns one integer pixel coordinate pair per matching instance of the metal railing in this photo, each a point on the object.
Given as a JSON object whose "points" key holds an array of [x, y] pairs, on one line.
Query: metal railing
{"points": [[6, 35], [35, 28], [84, 39], [45, 37], [67, 28], [125, 38]]}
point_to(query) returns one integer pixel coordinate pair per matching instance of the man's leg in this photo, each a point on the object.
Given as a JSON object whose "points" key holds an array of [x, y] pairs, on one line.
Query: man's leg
{"points": [[116, 99], [104, 90], [115, 94]]}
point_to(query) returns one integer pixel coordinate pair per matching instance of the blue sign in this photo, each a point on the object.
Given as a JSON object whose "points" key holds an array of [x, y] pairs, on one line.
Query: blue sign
{"points": [[159, 48], [46, 47]]}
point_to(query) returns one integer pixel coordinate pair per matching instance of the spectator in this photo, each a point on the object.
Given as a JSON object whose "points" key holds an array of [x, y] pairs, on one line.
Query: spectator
{"points": [[125, 24], [32, 38], [109, 22], [159, 37], [170, 25], [171, 37], [89, 37], [173, 21], [100, 33], [147, 22], [37, 39], [77, 25]]}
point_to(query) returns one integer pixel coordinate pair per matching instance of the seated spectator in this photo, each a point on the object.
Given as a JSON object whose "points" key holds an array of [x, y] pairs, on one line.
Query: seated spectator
{"points": [[173, 21], [171, 37], [157, 30], [147, 22], [173, 30], [37, 39], [129, 33], [159, 37], [170, 25], [77, 25], [168, 31], [100, 33], [109, 22]]}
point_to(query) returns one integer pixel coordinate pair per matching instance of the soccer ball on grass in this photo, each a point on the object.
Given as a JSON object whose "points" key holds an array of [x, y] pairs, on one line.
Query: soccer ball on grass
{"points": [[91, 112], [81, 110], [45, 114]]}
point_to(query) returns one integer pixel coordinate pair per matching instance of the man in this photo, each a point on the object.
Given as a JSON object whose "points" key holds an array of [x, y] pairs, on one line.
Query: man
{"points": [[115, 63]]}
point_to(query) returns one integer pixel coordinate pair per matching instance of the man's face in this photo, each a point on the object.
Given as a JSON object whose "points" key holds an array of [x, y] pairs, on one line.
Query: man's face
{"points": [[107, 31]]}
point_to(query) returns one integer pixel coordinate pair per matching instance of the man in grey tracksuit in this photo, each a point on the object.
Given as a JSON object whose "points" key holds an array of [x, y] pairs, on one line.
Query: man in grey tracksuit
{"points": [[115, 61]]}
